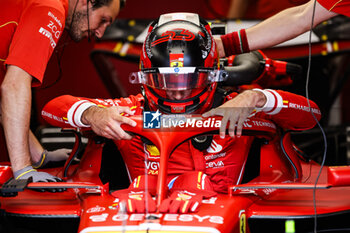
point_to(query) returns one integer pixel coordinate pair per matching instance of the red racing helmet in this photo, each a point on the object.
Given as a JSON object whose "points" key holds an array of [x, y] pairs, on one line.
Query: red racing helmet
{"points": [[179, 64]]}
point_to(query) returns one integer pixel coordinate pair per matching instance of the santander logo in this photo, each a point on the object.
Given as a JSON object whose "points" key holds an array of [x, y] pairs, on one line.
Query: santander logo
{"points": [[214, 147]]}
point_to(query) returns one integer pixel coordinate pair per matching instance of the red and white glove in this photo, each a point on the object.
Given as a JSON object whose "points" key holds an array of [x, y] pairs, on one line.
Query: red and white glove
{"points": [[137, 198], [181, 202], [136, 202], [187, 193]]}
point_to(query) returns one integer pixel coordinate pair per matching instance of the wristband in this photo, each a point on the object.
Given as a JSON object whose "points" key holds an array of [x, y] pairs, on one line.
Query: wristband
{"points": [[235, 42], [18, 174], [274, 102], [76, 111]]}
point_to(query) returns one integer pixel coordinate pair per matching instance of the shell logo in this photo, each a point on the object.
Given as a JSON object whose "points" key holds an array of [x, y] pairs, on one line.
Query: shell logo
{"points": [[151, 151]]}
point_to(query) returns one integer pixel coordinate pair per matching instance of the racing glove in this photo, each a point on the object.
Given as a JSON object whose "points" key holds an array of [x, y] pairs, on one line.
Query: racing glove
{"points": [[29, 171], [52, 156], [137, 197], [181, 202], [187, 193], [136, 202]]}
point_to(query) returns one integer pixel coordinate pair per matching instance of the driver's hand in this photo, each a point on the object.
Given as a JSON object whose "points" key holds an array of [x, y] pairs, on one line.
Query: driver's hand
{"points": [[136, 201], [236, 111], [181, 202], [106, 121], [29, 171]]}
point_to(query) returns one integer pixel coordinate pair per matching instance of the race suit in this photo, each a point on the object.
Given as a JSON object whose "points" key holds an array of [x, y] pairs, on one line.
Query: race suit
{"points": [[341, 7], [29, 32], [221, 161]]}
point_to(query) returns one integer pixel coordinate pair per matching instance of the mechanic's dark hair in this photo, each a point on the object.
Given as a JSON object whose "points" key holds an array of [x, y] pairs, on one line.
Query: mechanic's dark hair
{"points": [[99, 3]]}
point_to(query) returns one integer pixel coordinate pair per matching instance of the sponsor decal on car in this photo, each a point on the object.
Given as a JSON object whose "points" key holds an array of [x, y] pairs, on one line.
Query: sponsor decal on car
{"points": [[166, 217], [96, 209], [242, 222]]}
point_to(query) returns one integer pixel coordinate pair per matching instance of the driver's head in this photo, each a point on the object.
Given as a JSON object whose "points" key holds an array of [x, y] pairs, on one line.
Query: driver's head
{"points": [[179, 64], [91, 17]]}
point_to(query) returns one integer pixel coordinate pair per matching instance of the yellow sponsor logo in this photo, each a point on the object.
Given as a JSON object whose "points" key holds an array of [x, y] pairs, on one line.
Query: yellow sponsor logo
{"points": [[242, 223], [152, 151], [176, 64]]}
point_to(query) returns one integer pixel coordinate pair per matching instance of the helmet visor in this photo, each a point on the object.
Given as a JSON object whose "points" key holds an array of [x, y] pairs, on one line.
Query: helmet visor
{"points": [[177, 78]]}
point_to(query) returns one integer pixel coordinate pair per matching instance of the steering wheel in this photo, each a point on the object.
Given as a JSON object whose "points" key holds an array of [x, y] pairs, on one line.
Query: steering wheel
{"points": [[166, 139]]}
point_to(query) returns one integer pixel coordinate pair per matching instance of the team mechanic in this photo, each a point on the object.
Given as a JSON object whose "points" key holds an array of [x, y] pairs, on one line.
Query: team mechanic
{"points": [[29, 32], [281, 27], [177, 63]]}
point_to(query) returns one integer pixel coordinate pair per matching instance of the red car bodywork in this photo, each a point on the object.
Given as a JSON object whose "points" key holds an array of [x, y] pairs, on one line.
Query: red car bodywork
{"points": [[283, 191]]}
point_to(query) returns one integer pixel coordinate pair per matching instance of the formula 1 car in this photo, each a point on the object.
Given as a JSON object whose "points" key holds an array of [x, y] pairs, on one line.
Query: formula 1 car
{"points": [[281, 194], [280, 191]]}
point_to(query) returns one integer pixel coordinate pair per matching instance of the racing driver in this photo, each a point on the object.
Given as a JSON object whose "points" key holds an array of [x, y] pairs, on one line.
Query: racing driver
{"points": [[179, 74]]}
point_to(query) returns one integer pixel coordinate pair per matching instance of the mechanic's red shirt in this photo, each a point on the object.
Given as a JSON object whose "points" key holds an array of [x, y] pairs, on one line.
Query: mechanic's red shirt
{"points": [[337, 6], [29, 32], [222, 161]]}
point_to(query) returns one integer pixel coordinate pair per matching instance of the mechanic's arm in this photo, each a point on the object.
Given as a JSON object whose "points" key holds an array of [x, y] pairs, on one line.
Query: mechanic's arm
{"points": [[16, 99], [35, 148], [279, 28], [236, 111], [15, 107]]}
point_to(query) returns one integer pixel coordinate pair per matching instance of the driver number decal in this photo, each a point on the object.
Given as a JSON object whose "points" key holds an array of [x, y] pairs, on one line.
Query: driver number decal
{"points": [[176, 34]]}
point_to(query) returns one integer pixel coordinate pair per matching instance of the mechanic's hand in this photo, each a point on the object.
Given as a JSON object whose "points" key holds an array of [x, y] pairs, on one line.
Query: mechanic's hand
{"points": [[181, 202], [236, 111], [52, 156], [29, 171], [136, 202], [106, 121]]}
